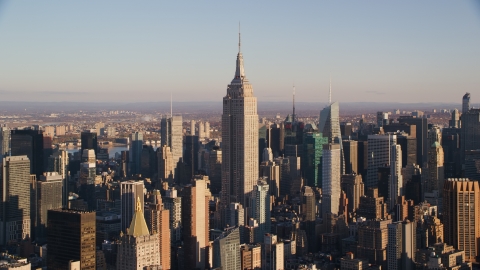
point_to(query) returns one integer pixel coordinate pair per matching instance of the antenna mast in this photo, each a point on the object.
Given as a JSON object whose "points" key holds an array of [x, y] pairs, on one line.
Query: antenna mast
{"points": [[239, 39]]}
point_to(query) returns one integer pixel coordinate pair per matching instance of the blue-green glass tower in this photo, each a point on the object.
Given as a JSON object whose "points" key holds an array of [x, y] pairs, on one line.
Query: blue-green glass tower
{"points": [[312, 158]]}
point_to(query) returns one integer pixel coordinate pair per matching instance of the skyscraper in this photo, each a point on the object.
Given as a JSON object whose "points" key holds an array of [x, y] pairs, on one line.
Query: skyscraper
{"points": [[86, 179], [350, 149], [352, 185], [158, 222], [466, 103], [15, 199], [401, 245], [190, 157], [165, 164], [239, 138], [396, 179], [226, 250], [461, 215], [4, 141], [312, 157], [129, 192], [89, 141], [136, 142], [172, 135], [331, 178], [29, 143], [49, 196], [192, 127], [71, 237], [329, 124], [421, 131], [435, 168], [260, 208], [379, 147], [470, 132]]}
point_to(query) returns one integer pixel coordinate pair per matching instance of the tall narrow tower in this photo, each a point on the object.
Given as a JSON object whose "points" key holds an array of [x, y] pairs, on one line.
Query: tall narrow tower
{"points": [[239, 138]]}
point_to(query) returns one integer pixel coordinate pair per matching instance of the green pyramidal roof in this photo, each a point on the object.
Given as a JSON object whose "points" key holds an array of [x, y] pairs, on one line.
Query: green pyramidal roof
{"points": [[138, 227]]}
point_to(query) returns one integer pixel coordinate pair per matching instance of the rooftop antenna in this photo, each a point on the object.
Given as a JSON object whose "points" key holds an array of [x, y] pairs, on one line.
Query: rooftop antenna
{"points": [[171, 110], [330, 93], [239, 39]]}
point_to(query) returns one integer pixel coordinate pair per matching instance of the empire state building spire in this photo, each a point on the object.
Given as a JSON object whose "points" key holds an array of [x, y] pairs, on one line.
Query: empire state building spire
{"points": [[239, 71]]}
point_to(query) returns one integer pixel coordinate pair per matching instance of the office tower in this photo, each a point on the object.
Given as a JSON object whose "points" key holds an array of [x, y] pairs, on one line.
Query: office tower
{"points": [[4, 142], [48, 197], [173, 203], [239, 138], [124, 163], [372, 206], [329, 124], [350, 150], [207, 129], [421, 135], [148, 161], [470, 132], [58, 162], [271, 172], [86, 179], [195, 222], [472, 164], [276, 138], [201, 130], [138, 248], [71, 237], [372, 241], [401, 245], [396, 178], [461, 215], [312, 157], [29, 143], [353, 187], [273, 253], [192, 127], [451, 149], [466, 103], [331, 178], [215, 170], [172, 135], [363, 158], [455, 121], [190, 157], [235, 215], [260, 208], [89, 141], [158, 222], [408, 144], [226, 250], [136, 142], [251, 256], [15, 204], [309, 211], [129, 192], [378, 156], [165, 164], [435, 168], [382, 119], [434, 135], [346, 129]]}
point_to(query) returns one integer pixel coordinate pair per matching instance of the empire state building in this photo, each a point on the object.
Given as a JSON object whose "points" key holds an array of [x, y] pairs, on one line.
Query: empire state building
{"points": [[239, 138]]}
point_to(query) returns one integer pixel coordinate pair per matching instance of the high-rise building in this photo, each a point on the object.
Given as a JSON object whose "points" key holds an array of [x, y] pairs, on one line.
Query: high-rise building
{"points": [[260, 208], [401, 245], [373, 240], [466, 103], [251, 256], [312, 157], [58, 162], [136, 142], [173, 203], [4, 142], [29, 143], [452, 152], [239, 139], [235, 215], [129, 192], [201, 130], [331, 178], [86, 179], [215, 170], [207, 129], [165, 164], [89, 141], [455, 121], [190, 157], [48, 197], [395, 188], [350, 151], [353, 187], [171, 130], [192, 127], [226, 250], [138, 248], [273, 253], [435, 168], [421, 131], [195, 222], [372, 206], [461, 215], [158, 222], [470, 132], [379, 147], [329, 124], [15, 203], [271, 171], [71, 237]]}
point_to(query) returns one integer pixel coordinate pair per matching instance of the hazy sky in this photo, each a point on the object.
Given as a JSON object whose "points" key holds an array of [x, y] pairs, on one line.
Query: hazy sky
{"points": [[405, 51]]}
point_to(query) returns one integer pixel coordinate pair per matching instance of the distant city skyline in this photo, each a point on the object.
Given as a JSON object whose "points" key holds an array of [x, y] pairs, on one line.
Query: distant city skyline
{"points": [[118, 51]]}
